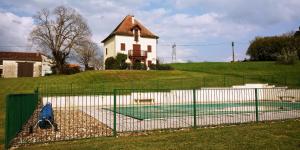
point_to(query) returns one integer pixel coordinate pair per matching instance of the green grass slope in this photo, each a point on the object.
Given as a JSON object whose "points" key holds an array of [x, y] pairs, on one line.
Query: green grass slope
{"points": [[268, 72]]}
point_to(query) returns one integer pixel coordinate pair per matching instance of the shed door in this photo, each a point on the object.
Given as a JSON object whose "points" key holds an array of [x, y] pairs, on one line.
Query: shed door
{"points": [[25, 69]]}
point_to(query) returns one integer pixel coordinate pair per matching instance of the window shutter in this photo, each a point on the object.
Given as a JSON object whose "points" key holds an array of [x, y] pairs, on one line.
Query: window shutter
{"points": [[136, 35], [149, 48], [122, 46]]}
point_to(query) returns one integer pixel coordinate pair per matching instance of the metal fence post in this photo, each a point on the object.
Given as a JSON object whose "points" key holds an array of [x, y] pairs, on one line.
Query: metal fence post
{"points": [[7, 125], [224, 81], [256, 105], [194, 104], [37, 94], [36, 91], [115, 113]]}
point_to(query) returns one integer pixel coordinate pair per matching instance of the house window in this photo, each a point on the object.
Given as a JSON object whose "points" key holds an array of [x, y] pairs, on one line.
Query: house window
{"points": [[1, 71], [122, 46], [149, 48], [106, 51], [136, 35], [1, 62]]}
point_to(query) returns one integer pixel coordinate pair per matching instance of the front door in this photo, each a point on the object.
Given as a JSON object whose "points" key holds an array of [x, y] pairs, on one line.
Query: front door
{"points": [[136, 49]]}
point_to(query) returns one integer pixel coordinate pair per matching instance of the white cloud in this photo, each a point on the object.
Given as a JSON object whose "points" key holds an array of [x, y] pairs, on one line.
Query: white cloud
{"points": [[181, 21], [259, 12], [14, 31]]}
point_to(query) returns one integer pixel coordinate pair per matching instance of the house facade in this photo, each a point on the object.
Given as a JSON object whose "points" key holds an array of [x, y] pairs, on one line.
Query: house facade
{"points": [[130, 37], [23, 64]]}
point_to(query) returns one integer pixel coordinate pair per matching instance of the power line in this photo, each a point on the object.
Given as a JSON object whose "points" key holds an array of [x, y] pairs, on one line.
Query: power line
{"points": [[208, 44]]}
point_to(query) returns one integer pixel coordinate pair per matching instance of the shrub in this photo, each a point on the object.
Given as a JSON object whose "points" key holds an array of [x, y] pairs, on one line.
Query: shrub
{"points": [[71, 70], [53, 69], [160, 67], [110, 63], [116, 63], [287, 56], [121, 61], [138, 66], [269, 48], [89, 68]]}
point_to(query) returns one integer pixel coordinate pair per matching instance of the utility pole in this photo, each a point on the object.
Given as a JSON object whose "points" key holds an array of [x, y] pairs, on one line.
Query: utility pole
{"points": [[173, 53], [232, 44]]}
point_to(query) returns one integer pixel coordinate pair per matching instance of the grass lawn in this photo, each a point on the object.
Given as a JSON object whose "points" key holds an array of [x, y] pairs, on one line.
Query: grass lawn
{"points": [[191, 75], [276, 135]]}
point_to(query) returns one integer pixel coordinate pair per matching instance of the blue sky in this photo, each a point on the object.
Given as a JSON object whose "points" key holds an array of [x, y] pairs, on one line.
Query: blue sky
{"points": [[204, 28]]}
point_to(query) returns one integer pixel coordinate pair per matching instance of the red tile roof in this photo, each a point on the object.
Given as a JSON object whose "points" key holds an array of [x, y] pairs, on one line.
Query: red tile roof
{"points": [[73, 65], [126, 26], [26, 56]]}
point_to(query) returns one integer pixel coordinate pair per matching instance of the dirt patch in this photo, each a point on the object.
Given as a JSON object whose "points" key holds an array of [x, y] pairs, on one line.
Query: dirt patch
{"points": [[71, 123]]}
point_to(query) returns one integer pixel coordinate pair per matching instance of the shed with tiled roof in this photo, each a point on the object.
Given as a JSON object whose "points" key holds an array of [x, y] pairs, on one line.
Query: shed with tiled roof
{"points": [[21, 64]]}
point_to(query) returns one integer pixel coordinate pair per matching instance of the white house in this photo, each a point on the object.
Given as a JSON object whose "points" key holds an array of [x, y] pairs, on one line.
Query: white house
{"points": [[130, 37], [23, 64]]}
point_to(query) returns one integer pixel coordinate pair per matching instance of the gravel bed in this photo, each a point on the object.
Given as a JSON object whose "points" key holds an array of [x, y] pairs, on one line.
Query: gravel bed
{"points": [[71, 123]]}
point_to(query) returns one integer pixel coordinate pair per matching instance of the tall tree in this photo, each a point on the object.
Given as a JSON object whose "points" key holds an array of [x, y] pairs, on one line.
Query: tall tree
{"points": [[58, 32]]}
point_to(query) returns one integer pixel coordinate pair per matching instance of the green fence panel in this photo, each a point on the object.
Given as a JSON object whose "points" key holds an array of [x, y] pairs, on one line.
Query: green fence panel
{"points": [[195, 109], [19, 108], [256, 105], [92, 113]]}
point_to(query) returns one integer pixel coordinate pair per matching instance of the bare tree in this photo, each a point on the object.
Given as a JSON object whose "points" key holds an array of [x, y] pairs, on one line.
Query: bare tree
{"points": [[97, 62], [86, 51], [58, 32]]}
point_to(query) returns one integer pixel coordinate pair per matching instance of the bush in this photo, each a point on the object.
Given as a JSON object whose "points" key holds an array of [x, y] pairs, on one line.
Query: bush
{"points": [[287, 56], [53, 69], [121, 61], [139, 66], [110, 63], [71, 70], [89, 68], [116, 63], [269, 48], [160, 67]]}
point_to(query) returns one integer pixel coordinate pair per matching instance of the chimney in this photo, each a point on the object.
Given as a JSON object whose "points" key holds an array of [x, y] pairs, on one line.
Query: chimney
{"points": [[132, 19], [38, 53]]}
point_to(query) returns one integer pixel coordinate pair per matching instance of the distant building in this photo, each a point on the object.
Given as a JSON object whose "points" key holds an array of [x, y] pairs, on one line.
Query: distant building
{"points": [[297, 33], [24, 64], [130, 37]]}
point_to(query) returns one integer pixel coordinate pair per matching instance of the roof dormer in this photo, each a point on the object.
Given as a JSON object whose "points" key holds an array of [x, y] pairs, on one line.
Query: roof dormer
{"points": [[136, 32]]}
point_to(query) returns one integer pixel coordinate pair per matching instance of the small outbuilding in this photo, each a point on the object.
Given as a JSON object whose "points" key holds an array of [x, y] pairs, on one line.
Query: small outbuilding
{"points": [[23, 64]]}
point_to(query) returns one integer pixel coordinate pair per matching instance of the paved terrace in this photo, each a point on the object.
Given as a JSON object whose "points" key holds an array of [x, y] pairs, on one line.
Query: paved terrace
{"points": [[125, 123]]}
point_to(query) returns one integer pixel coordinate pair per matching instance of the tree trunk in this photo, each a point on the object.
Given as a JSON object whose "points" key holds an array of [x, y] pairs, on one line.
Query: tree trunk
{"points": [[86, 67]]}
